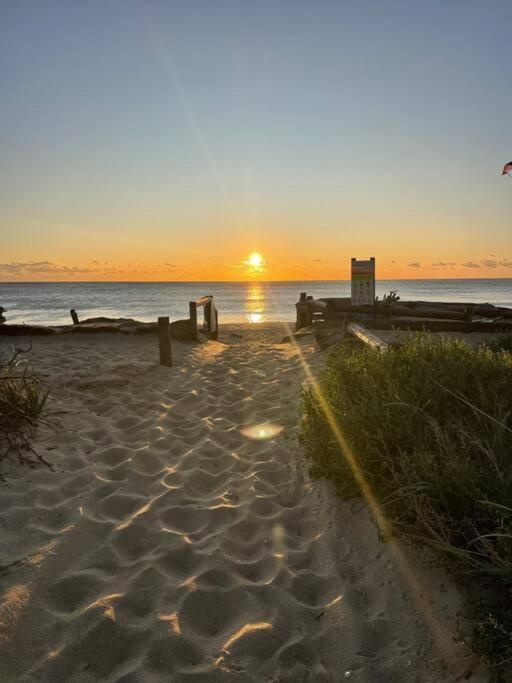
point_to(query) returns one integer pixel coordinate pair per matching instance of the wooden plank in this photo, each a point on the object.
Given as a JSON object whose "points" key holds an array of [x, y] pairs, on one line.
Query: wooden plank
{"points": [[370, 338], [164, 341], [213, 318], [424, 308], [203, 300], [417, 324]]}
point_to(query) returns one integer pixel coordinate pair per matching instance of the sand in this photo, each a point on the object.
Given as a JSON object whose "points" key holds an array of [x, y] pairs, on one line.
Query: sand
{"points": [[169, 544]]}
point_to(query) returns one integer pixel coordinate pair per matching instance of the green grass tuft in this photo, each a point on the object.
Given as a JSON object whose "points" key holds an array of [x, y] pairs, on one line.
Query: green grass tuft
{"points": [[431, 427]]}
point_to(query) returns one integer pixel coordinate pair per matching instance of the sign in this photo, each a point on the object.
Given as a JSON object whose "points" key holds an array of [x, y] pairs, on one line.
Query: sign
{"points": [[363, 282]]}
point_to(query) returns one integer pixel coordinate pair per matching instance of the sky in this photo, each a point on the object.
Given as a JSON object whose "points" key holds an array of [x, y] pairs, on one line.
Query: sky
{"points": [[170, 140]]}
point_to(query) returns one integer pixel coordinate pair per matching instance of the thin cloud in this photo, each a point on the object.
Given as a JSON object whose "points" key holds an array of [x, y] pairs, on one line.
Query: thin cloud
{"points": [[414, 264], [489, 263], [42, 268], [49, 269], [444, 264], [471, 264]]}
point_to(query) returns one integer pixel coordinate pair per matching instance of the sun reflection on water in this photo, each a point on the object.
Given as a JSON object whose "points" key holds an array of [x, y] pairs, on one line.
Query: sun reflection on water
{"points": [[255, 304]]}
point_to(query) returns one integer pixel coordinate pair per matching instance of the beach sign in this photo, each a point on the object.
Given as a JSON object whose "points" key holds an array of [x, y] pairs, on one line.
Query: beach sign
{"points": [[363, 282]]}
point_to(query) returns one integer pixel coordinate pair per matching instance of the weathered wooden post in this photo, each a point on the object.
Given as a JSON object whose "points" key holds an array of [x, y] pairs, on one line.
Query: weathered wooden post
{"points": [[74, 317], [309, 310], [215, 335], [193, 318], [164, 341], [301, 307], [208, 317]]}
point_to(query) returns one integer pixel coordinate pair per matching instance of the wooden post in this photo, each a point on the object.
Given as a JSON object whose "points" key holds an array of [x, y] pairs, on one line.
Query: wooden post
{"points": [[193, 318], [164, 341], [208, 317], [309, 310], [301, 315], [215, 335], [74, 317]]}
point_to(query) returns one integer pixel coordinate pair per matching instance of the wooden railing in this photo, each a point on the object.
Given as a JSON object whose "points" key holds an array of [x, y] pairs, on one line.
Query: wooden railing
{"points": [[210, 316]]}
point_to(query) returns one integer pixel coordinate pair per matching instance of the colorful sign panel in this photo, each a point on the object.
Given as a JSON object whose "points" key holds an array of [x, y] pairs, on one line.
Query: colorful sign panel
{"points": [[363, 282]]}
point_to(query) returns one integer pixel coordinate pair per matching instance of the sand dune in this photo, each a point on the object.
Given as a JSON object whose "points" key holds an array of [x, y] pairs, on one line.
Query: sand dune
{"points": [[179, 538]]}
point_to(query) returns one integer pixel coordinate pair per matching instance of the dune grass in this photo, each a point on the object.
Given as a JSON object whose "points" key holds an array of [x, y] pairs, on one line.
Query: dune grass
{"points": [[430, 424], [22, 400]]}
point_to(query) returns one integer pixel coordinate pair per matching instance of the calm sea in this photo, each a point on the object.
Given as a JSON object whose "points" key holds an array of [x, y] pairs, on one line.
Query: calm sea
{"points": [[49, 302]]}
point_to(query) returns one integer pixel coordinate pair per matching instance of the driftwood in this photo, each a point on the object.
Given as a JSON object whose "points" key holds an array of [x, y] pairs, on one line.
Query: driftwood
{"points": [[409, 315], [380, 342], [420, 309], [420, 324]]}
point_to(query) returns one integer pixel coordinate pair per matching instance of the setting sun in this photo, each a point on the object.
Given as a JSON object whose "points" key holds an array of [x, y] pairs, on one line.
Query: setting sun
{"points": [[255, 263], [256, 260]]}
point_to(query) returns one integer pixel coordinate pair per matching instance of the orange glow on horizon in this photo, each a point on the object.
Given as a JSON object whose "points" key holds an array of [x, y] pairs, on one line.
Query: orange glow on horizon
{"points": [[232, 267]]}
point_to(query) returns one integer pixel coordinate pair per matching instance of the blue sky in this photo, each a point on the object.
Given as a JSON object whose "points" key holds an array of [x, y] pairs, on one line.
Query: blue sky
{"points": [[132, 131]]}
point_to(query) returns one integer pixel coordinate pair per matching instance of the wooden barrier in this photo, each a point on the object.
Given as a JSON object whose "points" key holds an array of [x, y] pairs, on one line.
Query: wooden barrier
{"points": [[413, 315], [74, 317], [164, 341], [308, 309], [210, 316]]}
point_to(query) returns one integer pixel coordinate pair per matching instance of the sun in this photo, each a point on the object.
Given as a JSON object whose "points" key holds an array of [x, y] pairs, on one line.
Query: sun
{"points": [[256, 260], [255, 263]]}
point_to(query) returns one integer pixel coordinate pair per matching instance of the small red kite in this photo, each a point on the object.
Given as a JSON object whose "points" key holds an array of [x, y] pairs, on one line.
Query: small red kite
{"points": [[507, 169]]}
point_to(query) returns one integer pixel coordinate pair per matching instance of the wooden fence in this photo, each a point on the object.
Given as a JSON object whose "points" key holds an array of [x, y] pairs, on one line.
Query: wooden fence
{"points": [[434, 316]]}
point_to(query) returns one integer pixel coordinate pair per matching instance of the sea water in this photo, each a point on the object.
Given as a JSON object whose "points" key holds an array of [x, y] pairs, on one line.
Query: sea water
{"points": [[255, 302]]}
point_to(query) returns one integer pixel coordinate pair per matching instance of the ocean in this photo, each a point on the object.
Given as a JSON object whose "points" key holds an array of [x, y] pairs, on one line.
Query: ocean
{"points": [[50, 302]]}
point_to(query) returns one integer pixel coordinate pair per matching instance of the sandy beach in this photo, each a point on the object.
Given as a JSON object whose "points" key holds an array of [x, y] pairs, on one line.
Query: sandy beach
{"points": [[173, 543]]}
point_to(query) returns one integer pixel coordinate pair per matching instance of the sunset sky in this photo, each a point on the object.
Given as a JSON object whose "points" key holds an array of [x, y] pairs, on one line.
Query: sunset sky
{"points": [[170, 140]]}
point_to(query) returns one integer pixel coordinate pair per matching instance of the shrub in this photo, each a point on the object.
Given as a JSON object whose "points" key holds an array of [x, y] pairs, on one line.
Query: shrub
{"points": [[22, 400], [431, 429], [502, 344]]}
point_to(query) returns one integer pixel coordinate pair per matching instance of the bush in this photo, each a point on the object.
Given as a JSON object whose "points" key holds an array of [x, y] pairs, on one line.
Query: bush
{"points": [[22, 400], [502, 344], [431, 429]]}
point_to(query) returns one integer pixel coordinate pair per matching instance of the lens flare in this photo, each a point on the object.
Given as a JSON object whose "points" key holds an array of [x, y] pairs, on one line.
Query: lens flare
{"points": [[260, 432]]}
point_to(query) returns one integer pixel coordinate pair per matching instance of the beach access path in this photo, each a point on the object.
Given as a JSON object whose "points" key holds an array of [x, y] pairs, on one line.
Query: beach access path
{"points": [[172, 543]]}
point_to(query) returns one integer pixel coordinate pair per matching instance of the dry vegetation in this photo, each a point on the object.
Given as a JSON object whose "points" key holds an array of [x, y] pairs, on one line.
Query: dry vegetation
{"points": [[22, 400]]}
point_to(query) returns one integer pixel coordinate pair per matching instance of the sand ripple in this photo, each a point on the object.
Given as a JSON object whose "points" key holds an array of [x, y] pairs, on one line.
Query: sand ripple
{"points": [[169, 545]]}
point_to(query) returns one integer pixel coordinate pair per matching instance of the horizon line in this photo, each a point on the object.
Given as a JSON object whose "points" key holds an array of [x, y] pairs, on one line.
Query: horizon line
{"points": [[227, 282]]}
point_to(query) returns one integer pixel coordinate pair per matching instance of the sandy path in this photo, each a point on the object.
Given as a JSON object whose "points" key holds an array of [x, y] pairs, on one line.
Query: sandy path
{"points": [[168, 546]]}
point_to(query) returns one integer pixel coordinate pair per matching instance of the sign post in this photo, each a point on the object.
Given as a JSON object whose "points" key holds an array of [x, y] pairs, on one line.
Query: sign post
{"points": [[363, 282]]}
